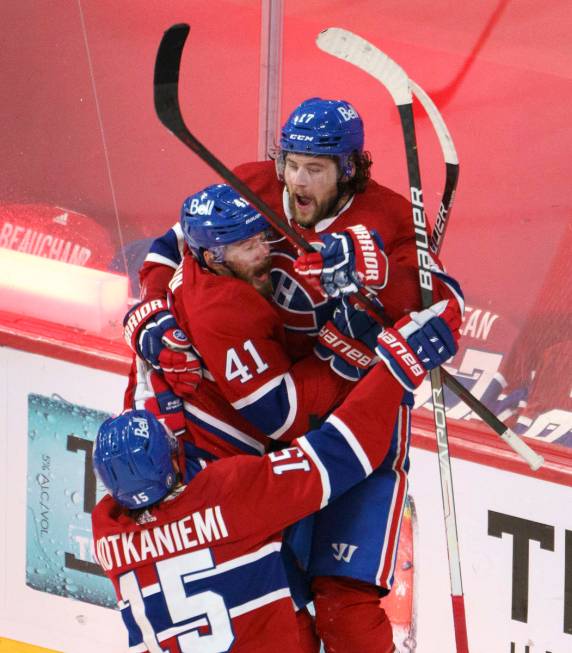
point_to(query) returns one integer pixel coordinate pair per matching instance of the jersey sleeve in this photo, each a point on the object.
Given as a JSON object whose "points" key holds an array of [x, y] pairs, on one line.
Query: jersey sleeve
{"points": [[163, 258], [318, 467], [241, 341]]}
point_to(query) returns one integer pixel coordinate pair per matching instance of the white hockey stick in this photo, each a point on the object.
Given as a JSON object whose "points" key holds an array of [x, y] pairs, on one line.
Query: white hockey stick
{"points": [[355, 50], [451, 165], [358, 52]]}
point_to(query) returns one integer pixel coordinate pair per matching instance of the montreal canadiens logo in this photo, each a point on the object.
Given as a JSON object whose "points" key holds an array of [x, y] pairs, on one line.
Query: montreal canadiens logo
{"points": [[302, 307]]}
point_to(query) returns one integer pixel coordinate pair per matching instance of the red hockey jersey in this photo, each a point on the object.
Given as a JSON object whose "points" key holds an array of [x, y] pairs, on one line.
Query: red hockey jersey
{"points": [[202, 571], [56, 233], [302, 308], [250, 380]]}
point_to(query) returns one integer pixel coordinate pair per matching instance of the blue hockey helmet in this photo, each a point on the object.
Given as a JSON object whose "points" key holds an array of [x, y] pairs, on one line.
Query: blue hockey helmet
{"points": [[218, 216], [323, 127], [132, 455]]}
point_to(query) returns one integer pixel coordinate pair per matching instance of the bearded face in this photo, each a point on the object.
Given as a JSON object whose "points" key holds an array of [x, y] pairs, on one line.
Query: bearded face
{"points": [[312, 183], [250, 261]]}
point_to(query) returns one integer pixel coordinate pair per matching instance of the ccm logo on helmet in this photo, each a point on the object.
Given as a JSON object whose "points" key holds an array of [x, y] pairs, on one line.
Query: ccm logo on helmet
{"points": [[401, 351], [300, 137]]}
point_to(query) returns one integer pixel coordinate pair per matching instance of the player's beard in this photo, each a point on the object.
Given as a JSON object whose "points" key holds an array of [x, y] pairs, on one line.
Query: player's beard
{"points": [[258, 277], [322, 210]]}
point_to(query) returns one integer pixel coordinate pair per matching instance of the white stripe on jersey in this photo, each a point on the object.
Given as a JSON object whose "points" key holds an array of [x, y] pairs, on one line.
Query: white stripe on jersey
{"points": [[352, 441], [395, 512], [271, 385], [257, 394], [249, 606], [223, 426], [237, 611], [163, 260], [309, 451], [443, 276], [171, 632], [246, 559]]}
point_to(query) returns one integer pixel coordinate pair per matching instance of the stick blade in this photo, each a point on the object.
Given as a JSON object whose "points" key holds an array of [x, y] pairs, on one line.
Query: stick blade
{"points": [[166, 77], [357, 51]]}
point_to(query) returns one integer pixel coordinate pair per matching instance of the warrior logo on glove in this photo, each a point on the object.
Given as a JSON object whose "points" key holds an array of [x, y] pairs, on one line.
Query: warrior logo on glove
{"points": [[347, 261]]}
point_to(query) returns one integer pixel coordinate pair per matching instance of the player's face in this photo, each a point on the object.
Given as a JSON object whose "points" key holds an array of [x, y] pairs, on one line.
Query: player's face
{"points": [[250, 261], [312, 183]]}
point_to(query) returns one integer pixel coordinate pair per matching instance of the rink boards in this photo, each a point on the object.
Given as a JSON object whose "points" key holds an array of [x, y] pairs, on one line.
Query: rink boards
{"points": [[515, 530]]}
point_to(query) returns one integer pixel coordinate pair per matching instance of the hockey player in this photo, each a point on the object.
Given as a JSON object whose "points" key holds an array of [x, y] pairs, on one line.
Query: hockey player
{"points": [[193, 547], [252, 390], [324, 189]]}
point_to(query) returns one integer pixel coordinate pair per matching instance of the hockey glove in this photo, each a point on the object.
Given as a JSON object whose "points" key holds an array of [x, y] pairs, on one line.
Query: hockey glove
{"points": [[347, 261], [152, 332], [420, 342], [348, 340], [153, 394]]}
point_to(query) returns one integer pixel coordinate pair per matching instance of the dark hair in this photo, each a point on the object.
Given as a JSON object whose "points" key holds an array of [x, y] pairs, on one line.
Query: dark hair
{"points": [[358, 183]]}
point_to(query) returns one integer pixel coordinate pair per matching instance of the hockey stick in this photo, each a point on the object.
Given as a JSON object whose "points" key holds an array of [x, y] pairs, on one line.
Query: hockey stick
{"points": [[360, 53], [166, 95], [166, 81], [451, 166], [368, 58]]}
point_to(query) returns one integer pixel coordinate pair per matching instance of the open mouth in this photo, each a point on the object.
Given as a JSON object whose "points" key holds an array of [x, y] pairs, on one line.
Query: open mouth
{"points": [[262, 273], [303, 200]]}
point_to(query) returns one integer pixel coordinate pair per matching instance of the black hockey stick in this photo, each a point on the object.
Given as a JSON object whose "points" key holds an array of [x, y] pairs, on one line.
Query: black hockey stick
{"points": [[350, 47], [166, 95], [358, 52], [168, 109], [451, 166]]}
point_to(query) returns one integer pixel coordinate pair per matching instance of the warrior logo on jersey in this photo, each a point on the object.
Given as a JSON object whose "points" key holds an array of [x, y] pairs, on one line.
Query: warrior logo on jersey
{"points": [[302, 307]]}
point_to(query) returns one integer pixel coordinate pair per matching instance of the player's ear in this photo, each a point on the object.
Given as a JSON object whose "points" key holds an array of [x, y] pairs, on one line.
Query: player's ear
{"points": [[210, 260], [348, 170]]}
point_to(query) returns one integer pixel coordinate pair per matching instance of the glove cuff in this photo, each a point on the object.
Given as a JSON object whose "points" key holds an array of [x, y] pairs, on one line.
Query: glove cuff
{"points": [[352, 351], [401, 360], [138, 316]]}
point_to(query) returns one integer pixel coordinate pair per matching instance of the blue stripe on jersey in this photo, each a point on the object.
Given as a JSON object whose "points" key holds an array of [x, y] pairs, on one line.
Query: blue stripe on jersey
{"points": [[166, 248], [223, 434], [453, 286], [272, 408], [340, 454], [237, 585]]}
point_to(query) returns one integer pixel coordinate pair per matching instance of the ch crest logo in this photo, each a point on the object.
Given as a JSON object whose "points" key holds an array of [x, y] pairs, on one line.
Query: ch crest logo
{"points": [[343, 551]]}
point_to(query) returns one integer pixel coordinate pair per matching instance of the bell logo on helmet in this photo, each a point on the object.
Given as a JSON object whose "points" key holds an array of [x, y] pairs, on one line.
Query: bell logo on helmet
{"points": [[218, 216], [142, 428], [348, 113], [196, 207]]}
